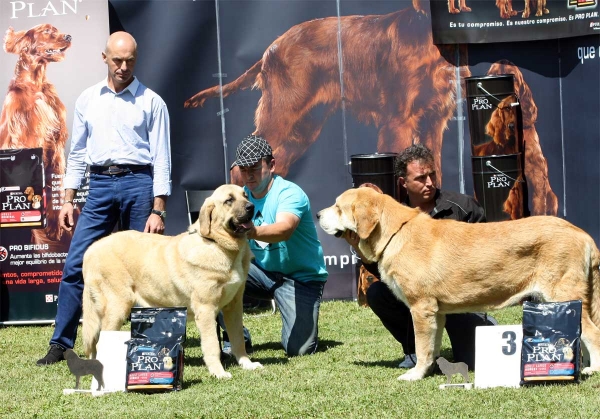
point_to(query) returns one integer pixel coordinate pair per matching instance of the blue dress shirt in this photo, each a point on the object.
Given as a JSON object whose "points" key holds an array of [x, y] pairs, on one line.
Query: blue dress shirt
{"points": [[129, 127]]}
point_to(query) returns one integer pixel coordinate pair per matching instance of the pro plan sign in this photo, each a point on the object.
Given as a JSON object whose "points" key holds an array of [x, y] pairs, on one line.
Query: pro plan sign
{"points": [[482, 21], [481, 103]]}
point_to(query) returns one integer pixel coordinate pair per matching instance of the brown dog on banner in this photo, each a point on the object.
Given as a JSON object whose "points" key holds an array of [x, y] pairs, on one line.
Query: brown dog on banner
{"points": [[404, 86], [33, 116]]}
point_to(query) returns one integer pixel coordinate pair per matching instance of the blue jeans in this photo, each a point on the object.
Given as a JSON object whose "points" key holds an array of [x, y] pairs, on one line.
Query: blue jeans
{"points": [[127, 198], [298, 302]]}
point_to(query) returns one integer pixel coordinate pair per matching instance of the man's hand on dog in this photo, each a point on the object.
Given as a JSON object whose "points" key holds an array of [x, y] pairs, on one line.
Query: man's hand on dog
{"points": [[351, 237]]}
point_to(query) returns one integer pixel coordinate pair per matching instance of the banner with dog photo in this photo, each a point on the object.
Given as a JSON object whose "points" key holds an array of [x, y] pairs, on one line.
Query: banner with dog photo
{"points": [[370, 99], [51, 53], [484, 21]]}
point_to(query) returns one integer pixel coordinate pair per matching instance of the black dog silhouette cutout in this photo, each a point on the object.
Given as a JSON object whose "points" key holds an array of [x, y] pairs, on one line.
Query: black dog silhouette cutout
{"points": [[81, 367], [449, 369]]}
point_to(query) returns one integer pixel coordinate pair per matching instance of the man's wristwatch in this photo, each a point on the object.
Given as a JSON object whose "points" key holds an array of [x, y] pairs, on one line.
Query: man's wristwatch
{"points": [[161, 214]]}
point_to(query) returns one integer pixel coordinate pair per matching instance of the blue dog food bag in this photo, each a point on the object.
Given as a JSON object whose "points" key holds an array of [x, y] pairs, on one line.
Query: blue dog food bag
{"points": [[551, 350], [155, 350]]}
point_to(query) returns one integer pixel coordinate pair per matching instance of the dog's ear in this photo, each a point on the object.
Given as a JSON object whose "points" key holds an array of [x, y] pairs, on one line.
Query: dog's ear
{"points": [[366, 217], [490, 128], [206, 218], [15, 42]]}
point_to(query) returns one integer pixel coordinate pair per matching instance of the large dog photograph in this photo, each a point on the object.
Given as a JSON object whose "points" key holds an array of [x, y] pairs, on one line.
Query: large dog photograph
{"points": [[204, 269], [438, 267], [33, 115], [393, 79]]}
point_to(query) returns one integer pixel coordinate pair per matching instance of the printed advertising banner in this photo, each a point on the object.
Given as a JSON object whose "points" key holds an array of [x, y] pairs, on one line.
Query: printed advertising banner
{"points": [[483, 21], [361, 77], [329, 83], [51, 52]]}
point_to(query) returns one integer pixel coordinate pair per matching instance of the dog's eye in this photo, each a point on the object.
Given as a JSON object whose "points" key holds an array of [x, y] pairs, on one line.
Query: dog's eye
{"points": [[229, 201]]}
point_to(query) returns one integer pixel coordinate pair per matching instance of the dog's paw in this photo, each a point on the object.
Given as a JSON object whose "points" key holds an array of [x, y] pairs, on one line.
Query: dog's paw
{"points": [[588, 371], [411, 375], [222, 375], [249, 365]]}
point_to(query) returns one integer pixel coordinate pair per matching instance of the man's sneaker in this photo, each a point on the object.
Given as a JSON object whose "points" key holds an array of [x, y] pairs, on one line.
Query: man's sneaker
{"points": [[227, 347], [56, 353], [410, 360]]}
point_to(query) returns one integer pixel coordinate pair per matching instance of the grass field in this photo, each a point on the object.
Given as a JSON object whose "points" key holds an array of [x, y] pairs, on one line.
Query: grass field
{"points": [[353, 375]]}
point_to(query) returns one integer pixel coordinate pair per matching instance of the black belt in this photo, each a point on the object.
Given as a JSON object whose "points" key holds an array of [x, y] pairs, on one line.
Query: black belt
{"points": [[117, 169]]}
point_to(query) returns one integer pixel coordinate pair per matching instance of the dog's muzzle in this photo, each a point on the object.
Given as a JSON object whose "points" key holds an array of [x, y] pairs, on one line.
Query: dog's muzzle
{"points": [[243, 224]]}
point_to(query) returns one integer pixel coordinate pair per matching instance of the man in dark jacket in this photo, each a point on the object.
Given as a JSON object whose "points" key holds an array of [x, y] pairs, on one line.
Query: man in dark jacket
{"points": [[415, 170]]}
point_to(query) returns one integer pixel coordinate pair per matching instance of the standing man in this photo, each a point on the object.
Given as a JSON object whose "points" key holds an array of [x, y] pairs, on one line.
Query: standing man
{"points": [[415, 170], [289, 265], [121, 129]]}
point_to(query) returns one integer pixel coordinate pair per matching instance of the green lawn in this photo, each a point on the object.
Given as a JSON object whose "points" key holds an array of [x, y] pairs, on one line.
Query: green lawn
{"points": [[353, 375]]}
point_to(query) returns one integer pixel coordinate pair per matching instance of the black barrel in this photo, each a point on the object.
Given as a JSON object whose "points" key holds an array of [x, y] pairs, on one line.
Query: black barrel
{"points": [[493, 111], [499, 186], [377, 169]]}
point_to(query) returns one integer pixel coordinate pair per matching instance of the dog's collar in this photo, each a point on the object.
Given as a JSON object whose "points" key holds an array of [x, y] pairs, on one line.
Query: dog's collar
{"points": [[194, 231], [391, 237]]}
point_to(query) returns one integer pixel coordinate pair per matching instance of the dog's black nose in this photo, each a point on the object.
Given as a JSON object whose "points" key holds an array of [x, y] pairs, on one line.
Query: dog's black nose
{"points": [[319, 215], [68, 38], [511, 126]]}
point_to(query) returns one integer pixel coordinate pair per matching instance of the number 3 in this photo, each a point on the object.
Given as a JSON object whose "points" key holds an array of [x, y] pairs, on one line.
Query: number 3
{"points": [[510, 340]]}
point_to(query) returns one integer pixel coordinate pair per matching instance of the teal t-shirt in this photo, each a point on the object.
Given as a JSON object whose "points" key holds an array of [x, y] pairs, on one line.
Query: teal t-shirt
{"points": [[300, 257]]}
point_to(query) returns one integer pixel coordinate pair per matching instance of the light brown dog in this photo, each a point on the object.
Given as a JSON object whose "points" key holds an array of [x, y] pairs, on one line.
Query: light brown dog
{"points": [[204, 269], [33, 116], [502, 127], [394, 78], [438, 267], [462, 6]]}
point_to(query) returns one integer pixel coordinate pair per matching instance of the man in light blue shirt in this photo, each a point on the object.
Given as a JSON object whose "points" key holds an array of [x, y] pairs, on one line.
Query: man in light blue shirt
{"points": [[121, 130], [289, 265]]}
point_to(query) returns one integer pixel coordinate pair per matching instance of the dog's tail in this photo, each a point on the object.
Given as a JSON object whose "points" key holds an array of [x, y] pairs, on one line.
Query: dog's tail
{"points": [[246, 80], [90, 329]]}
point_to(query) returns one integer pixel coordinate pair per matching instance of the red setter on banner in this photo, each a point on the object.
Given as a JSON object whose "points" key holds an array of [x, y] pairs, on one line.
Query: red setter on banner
{"points": [[33, 115], [543, 199], [404, 86]]}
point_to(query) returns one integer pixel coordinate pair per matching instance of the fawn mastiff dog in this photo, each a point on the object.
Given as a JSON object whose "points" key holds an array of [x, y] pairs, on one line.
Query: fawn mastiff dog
{"points": [[444, 266], [204, 269]]}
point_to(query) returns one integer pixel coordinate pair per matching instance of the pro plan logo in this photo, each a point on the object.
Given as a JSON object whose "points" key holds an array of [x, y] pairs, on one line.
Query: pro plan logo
{"points": [[582, 3], [3, 253]]}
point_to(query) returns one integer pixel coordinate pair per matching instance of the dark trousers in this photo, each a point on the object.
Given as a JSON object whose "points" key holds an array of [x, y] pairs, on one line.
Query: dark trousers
{"points": [[112, 198], [396, 318]]}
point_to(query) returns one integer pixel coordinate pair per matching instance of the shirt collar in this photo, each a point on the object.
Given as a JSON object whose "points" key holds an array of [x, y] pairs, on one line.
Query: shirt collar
{"points": [[132, 87]]}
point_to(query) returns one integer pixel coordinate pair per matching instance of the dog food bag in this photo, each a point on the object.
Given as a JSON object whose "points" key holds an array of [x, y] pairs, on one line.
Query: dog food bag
{"points": [[158, 322], [551, 350], [155, 352], [22, 193]]}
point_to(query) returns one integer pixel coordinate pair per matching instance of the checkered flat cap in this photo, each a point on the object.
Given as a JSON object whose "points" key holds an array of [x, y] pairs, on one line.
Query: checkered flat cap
{"points": [[251, 149]]}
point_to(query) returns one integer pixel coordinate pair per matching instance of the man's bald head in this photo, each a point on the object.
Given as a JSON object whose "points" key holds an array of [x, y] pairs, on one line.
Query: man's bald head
{"points": [[120, 55], [120, 38]]}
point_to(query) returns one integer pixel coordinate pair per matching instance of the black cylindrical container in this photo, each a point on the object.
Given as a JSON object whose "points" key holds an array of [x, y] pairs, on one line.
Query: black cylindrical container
{"points": [[493, 114], [377, 169], [499, 184]]}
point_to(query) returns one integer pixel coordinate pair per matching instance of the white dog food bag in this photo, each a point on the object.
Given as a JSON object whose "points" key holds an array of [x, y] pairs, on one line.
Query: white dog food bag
{"points": [[551, 350], [155, 352]]}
